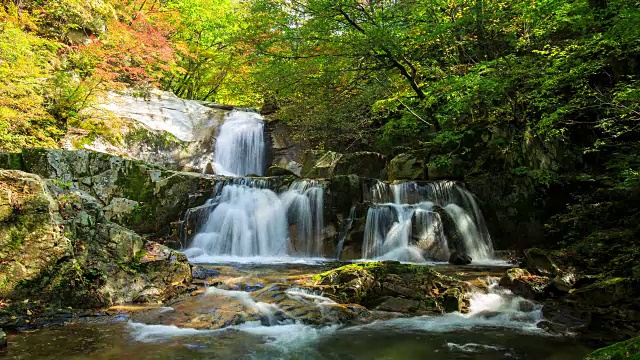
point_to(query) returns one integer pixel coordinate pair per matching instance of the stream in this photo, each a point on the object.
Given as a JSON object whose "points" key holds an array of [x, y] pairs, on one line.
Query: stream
{"points": [[497, 327]]}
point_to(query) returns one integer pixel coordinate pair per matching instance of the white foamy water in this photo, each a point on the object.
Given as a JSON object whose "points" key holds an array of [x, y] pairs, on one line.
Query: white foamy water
{"points": [[410, 222], [158, 333], [240, 146], [247, 220], [496, 309], [472, 347]]}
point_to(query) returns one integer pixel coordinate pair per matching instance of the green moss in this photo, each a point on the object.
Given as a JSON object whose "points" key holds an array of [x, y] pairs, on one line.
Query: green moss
{"points": [[626, 350]]}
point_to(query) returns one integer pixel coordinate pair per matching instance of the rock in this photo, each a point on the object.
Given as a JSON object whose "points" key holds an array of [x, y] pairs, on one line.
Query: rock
{"points": [[459, 259], [202, 273], [407, 166], [397, 304], [327, 164], [57, 245], [364, 164], [551, 327], [511, 275], [608, 292], [392, 286], [279, 171], [162, 196], [563, 283], [540, 262], [209, 169], [625, 350], [452, 300], [522, 283], [3, 341]]}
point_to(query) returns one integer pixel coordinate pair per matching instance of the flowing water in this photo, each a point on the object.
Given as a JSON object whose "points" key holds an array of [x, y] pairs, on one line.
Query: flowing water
{"points": [[240, 146], [260, 311], [419, 222], [246, 219], [498, 326]]}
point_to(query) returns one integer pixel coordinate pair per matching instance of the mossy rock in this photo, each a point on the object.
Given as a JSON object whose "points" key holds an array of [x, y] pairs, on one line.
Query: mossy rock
{"points": [[393, 286], [625, 350], [407, 166]]}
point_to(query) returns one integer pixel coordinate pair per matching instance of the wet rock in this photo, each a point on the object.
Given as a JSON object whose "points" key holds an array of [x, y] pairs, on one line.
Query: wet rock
{"points": [[459, 259], [512, 274], [392, 286], [203, 273], [522, 283], [452, 300], [539, 262], [3, 340], [551, 327], [574, 320]]}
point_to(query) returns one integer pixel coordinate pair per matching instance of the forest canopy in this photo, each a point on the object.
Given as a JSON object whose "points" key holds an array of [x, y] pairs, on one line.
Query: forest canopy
{"points": [[454, 78]]}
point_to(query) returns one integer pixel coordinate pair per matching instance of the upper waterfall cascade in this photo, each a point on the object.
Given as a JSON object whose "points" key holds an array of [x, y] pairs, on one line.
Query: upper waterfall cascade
{"points": [[413, 222], [240, 146]]}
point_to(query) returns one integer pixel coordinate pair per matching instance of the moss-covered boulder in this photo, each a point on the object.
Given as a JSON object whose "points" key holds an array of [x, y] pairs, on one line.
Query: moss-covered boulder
{"points": [[392, 286], [540, 262], [522, 283], [625, 350], [363, 163], [407, 166]]}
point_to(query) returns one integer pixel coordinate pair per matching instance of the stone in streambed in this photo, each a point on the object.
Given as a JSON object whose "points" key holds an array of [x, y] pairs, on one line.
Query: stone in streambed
{"points": [[459, 259], [392, 286], [3, 340]]}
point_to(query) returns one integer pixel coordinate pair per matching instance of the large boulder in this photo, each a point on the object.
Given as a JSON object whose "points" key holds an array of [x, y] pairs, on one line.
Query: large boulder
{"points": [[392, 286], [522, 283], [540, 262], [407, 166], [327, 164]]}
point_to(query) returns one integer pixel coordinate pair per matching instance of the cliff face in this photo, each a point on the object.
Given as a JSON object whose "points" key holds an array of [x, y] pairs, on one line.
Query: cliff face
{"points": [[72, 226]]}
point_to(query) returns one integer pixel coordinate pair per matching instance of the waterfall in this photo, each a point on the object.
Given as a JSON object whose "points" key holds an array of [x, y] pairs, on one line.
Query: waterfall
{"points": [[416, 222], [247, 219], [240, 146]]}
